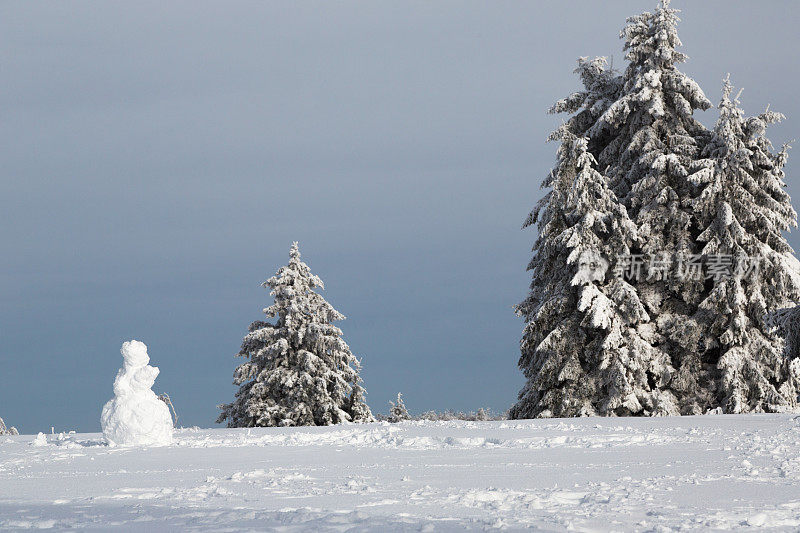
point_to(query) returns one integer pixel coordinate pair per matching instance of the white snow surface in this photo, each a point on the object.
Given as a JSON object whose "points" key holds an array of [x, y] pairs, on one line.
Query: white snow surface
{"points": [[727, 472], [135, 416]]}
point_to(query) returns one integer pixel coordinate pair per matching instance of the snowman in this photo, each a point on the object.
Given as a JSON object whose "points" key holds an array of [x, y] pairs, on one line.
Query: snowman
{"points": [[135, 416]]}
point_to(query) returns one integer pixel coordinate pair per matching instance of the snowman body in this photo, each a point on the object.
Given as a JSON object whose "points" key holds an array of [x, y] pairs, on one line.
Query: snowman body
{"points": [[135, 416]]}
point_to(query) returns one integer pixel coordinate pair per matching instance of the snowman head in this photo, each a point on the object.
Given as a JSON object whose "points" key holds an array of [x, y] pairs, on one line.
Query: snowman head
{"points": [[135, 353]]}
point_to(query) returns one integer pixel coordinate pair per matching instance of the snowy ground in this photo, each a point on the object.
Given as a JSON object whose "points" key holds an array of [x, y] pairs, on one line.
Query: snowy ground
{"points": [[712, 472]]}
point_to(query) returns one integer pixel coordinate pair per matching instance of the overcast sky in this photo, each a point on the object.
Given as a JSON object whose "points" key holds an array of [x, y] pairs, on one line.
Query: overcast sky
{"points": [[158, 158]]}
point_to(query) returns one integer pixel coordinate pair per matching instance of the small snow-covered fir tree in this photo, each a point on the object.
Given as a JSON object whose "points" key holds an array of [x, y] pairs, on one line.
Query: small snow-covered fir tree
{"points": [[397, 410], [299, 371], [640, 182], [7, 430]]}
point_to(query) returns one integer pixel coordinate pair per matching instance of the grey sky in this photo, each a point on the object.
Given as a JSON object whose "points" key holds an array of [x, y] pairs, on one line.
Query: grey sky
{"points": [[157, 159]]}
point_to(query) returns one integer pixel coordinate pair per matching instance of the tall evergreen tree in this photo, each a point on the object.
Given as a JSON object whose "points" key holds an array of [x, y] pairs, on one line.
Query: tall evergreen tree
{"points": [[581, 328], [651, 143], [744, 211], [299, 371], [653, 355]]}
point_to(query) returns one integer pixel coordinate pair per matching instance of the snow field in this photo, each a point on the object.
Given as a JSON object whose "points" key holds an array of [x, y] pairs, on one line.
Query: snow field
{"points": [[663, 474]]}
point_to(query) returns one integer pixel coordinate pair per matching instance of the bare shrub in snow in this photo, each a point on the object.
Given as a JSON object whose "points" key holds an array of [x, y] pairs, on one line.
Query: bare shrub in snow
{"points": [[7, 430], [164, 397], [481, 415]]}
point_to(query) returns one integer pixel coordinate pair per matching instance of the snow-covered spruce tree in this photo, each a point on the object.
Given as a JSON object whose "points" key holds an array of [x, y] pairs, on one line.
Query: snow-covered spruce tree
{"points": [[651, 145], [299, 371], [744, 210], [656, 357], [7, 430], [398, 411], [581, 336]]}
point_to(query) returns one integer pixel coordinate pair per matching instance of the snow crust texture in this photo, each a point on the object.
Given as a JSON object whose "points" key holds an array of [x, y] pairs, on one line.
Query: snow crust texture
{"points": [[135, 416], [696, 473]]}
